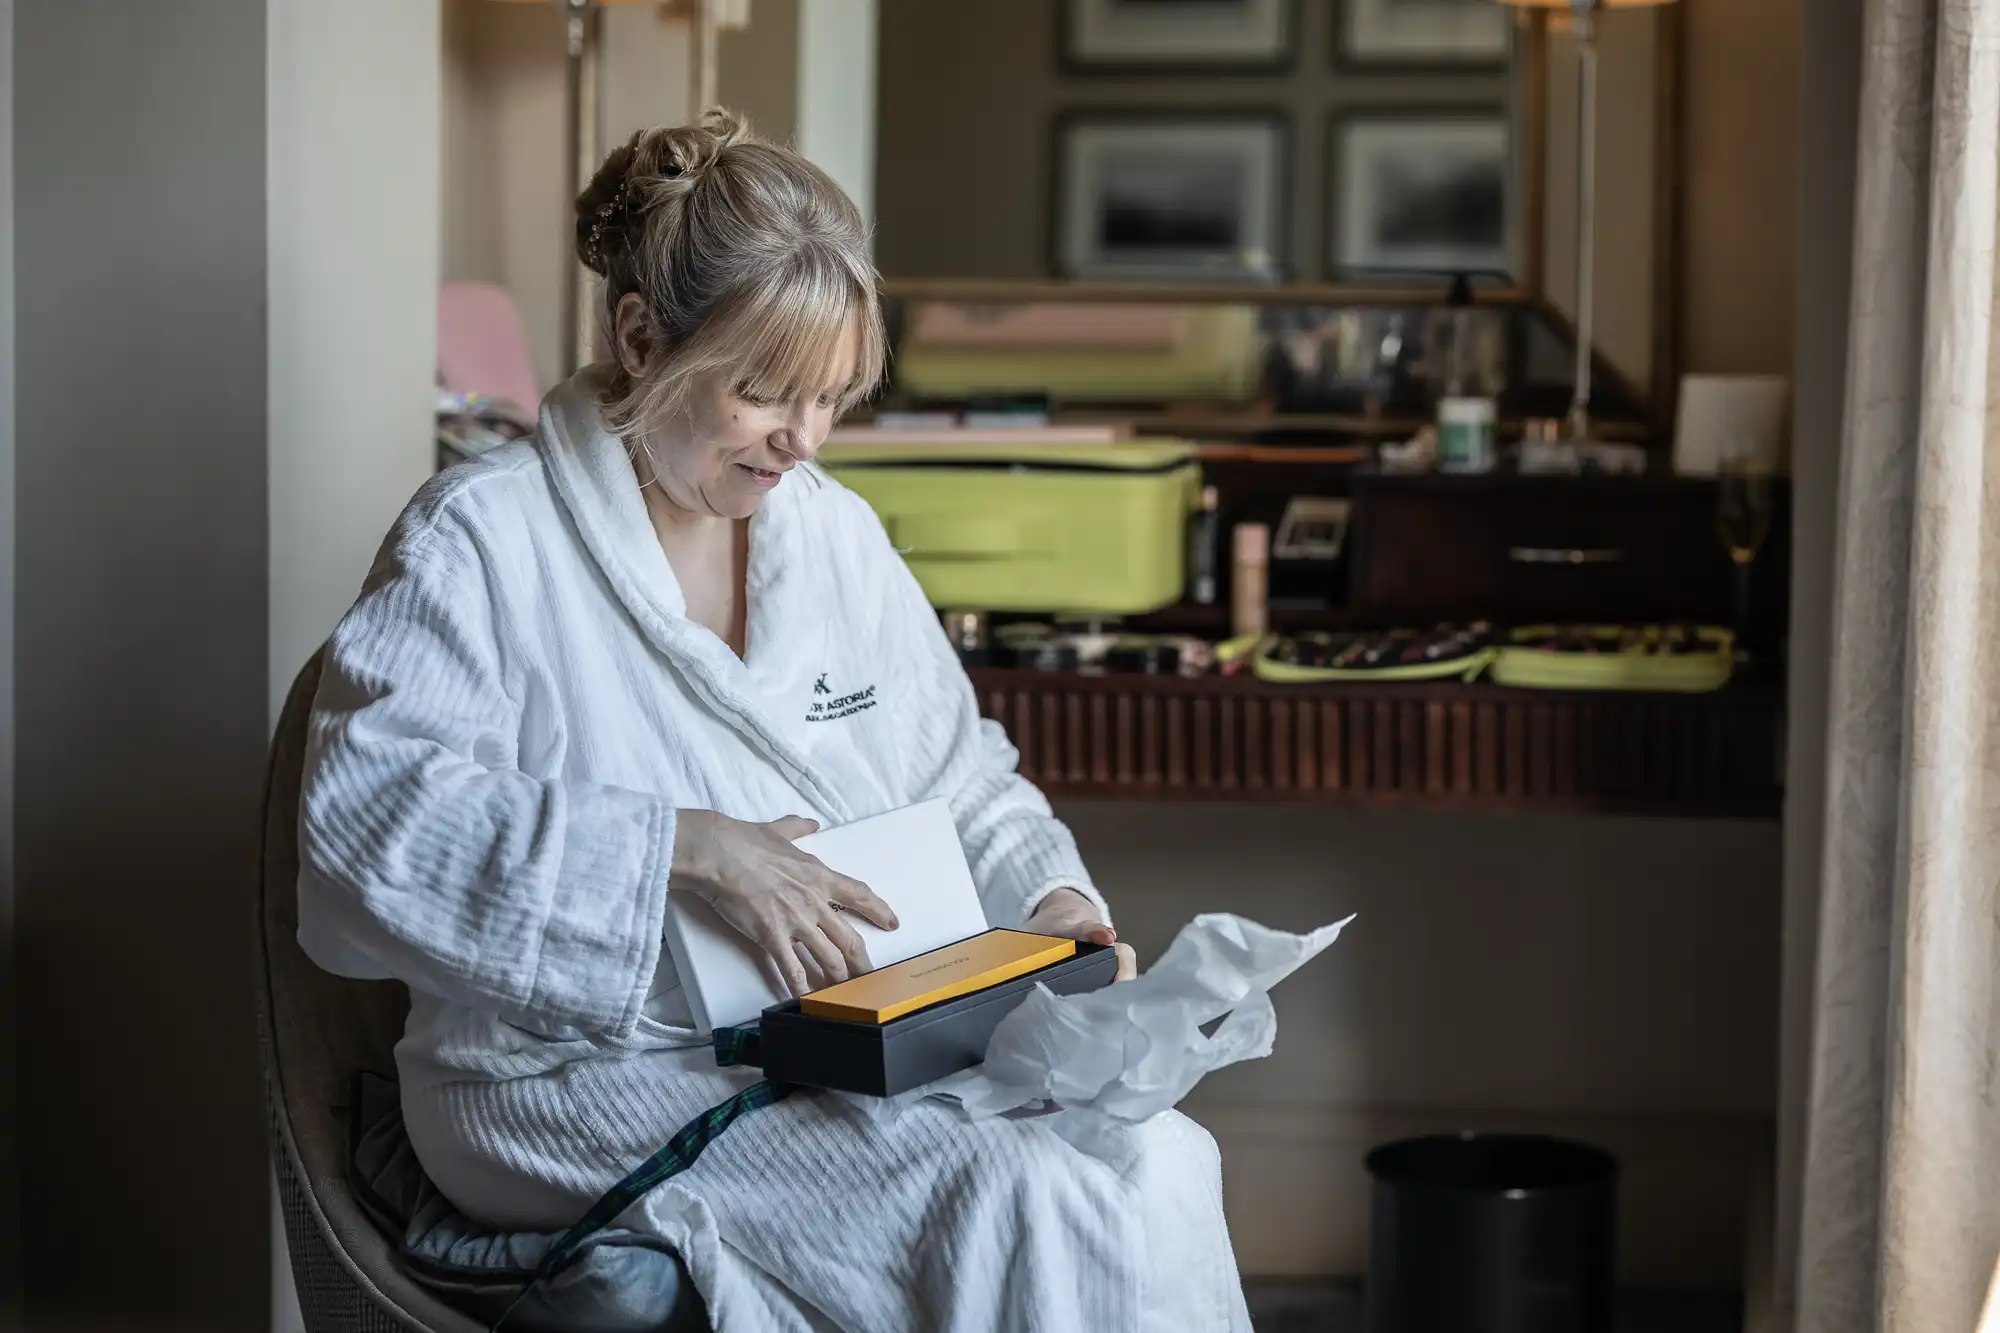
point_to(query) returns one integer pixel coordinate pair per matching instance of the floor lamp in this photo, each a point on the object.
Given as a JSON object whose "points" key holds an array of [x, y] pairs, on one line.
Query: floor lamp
{"points": [[1582, 15]]}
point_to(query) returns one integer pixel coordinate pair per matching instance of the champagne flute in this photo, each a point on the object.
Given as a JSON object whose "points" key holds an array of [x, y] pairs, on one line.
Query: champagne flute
{"points": [[1743, 479]]}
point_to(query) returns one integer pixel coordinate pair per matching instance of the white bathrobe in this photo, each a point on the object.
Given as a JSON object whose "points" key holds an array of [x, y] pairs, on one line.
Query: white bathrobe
{"points": [[509, 718]]}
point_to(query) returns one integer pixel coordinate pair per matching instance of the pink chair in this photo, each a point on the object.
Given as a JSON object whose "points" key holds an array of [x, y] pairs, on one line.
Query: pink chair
{"points": [[483, 347]]}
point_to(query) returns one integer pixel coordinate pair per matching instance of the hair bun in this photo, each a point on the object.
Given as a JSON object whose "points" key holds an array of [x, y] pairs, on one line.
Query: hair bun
{"points": [[632, 177], [683, 151]]}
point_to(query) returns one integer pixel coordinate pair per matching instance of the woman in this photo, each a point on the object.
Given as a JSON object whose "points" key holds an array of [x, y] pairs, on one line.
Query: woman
{"points": [[579, 680]]}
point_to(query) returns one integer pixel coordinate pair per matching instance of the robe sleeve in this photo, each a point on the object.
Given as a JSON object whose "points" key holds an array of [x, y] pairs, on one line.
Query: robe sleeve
{"points": [[1018, 850], [426, 854]]}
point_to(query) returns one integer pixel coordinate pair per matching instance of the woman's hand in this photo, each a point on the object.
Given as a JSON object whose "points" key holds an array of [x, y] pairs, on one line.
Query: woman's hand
{"points": [[1068, 915], [780, 898]]}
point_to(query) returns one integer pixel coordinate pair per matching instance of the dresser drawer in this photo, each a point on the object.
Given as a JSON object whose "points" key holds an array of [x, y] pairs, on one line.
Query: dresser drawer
{"points": [[1529, 548]]}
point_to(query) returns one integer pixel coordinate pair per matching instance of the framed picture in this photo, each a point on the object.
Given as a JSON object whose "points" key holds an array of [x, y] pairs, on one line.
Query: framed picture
{"points": [[1170, 196], [1422, 34], [1132, 36], [1413, 191]]}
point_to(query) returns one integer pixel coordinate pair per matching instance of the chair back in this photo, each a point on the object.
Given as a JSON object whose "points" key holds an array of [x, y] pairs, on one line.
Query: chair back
{"points": [[315, 1031]]}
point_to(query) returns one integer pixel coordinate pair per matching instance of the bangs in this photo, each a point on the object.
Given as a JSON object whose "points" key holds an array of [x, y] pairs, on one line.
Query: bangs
{"points": [[787, 338]]}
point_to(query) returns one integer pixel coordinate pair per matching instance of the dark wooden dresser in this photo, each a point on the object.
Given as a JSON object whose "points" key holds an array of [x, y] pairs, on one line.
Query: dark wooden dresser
{"points": [[1515, 550]]}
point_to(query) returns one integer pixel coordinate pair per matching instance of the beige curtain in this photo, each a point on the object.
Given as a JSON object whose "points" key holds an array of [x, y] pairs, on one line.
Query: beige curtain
{"points": [[1900, 1223]]}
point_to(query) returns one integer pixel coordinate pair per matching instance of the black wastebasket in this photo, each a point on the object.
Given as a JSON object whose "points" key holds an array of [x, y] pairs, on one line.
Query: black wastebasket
{"points": [[1491, 1233]]}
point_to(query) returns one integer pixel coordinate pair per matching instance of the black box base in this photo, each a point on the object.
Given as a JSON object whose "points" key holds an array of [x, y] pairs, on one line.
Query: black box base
{"points": [[888, 1058]]}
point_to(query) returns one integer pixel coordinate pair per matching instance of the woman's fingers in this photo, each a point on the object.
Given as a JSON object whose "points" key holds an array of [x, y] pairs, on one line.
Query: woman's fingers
{"points": [[1079, 927], [826, 956], [1090, 932], [779, 946], [852, 947], [792, 827], [853, 896]]}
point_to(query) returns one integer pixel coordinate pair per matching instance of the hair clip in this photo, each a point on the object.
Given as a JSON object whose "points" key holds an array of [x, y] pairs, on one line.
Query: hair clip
{"points": [[614, 211]]}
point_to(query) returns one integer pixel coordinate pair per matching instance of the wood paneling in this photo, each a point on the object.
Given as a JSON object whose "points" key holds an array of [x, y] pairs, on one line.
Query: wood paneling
{"points": [[1448, 745]]}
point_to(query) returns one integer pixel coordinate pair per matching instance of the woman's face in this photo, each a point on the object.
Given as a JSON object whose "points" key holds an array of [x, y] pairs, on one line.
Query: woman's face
{"points": [[732, 448]]}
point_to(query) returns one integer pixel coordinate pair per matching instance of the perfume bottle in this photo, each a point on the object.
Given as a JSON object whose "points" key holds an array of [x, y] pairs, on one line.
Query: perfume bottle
{"points": [[1204, 562]]}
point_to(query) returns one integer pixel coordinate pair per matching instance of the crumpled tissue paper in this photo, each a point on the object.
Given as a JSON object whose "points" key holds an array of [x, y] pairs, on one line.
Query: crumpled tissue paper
{"points": [[1130, 1051]]}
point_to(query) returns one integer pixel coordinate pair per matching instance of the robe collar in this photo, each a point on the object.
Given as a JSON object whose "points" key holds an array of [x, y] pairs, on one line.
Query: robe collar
{"points": [[593, 476]]}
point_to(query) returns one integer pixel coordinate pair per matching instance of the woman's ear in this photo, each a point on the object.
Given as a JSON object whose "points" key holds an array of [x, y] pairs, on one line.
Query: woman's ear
{"points": [[631, 333]]}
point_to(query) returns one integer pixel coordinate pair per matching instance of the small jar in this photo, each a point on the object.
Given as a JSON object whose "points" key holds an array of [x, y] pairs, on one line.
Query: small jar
{"points": [[1467, 435]]}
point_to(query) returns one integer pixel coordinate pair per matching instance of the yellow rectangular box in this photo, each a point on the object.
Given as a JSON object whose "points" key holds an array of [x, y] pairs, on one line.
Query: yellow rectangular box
{"points": [[942, 974], [1033, 527]]}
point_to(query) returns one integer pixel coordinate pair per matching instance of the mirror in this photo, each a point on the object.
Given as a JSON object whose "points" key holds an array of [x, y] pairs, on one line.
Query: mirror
{"points": [[1274, 150], [1195, 140]]}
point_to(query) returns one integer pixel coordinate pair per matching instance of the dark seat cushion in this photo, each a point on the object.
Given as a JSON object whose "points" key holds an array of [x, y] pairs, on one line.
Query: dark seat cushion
{"points": [[618, 1281]]}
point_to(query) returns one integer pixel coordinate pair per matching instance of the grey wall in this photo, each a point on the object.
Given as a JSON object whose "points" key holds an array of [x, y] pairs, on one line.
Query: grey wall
{"points": [[1829, 108], [758, 70], [10, 1162], [140, 653], [1739, 223], [1499, 961], [1610, 978]]}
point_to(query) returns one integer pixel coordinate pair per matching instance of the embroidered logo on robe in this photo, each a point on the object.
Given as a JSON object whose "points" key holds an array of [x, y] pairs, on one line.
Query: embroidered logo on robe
{"points": [[839, 706]]}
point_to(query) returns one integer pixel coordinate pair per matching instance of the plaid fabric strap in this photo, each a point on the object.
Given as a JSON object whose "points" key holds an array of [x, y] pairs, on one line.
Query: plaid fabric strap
{"points": [[679, 1154], [740, 1045]]}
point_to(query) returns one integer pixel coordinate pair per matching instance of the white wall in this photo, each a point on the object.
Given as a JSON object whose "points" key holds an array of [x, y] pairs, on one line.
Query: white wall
{"points": [[836, 93], [354, 200], [354, 162]]}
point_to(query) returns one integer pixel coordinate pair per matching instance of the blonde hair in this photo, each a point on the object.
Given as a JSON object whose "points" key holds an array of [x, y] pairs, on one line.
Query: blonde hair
{"points": [[751, 262]]}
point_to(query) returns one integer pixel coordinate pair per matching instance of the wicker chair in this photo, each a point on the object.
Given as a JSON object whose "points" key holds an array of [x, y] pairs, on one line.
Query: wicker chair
{"points": [[315, 1030]]}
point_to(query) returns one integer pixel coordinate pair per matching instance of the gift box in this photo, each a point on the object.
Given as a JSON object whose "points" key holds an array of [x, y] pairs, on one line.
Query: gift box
{"points": [[884, 1059]]}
